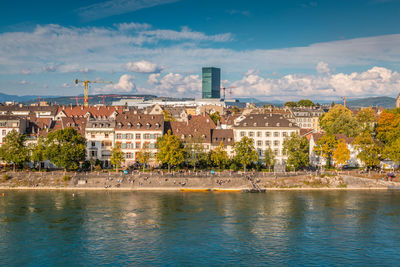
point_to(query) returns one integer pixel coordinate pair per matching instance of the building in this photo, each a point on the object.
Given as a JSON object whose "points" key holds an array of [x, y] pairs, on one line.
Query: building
{"points": [[9, 123], [211, 82], [99, 134], [136, 132], [398, 101], [224, 136], [307, 118], [267, 131]]}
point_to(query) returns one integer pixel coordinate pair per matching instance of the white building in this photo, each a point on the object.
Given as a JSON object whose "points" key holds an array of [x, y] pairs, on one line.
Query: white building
{"points": [[9, 123], [99, 134], [267, 131]]}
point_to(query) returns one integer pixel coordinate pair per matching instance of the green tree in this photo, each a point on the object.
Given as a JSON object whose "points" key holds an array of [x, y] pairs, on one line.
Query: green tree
{"points": [[368, 150], [305, 103], [269, 157], [215, 117], [297, 149], [194, 152], [339, 120], [290, 104], [117, 156], [325, 147], [392, 151], [168, 116], [66, 148], [341, 154], [366, 118], [170, 150], [219, 156], [13, 151], [245, 153], [143, 157], [38, 152]]}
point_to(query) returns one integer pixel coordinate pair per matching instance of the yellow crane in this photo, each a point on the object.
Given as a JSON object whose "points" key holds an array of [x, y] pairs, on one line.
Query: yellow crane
{"points": [[86, 84]]}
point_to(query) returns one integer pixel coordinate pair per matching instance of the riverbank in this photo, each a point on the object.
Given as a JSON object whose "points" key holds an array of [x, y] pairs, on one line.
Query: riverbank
{"points": [[216, 183]]}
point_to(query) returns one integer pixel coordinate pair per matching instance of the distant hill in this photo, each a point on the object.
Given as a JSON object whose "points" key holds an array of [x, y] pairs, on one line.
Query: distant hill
{"points": [[16, 98], [381, 101]]}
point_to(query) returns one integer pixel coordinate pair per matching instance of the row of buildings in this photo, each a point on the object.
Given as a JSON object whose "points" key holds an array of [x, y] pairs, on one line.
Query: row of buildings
{"points": [[138, 128]]}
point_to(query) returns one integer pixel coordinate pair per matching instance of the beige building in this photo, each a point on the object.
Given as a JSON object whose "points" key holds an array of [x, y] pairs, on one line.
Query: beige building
{"points": [[398, 101], [9, 123], [267, 131], [136, 132]]}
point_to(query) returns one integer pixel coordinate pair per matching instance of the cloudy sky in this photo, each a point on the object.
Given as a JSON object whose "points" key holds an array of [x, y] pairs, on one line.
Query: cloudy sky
{"points": [[280, 50]]}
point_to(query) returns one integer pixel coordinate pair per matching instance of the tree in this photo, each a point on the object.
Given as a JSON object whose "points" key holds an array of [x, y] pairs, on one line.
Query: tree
{"points": [[388, 128], [38, 152], [13, 149], [170, 150], [269, 157], [392, 151], [291, 104], [366, 119], [66, 148], [339, 119], [219, 156], [341, 154], [305, 103], [297, 149], [245, 153], [215, 117], [325, 146], [143, 157], [194, 152], [168, 116], [117, 156], [368, 150]]}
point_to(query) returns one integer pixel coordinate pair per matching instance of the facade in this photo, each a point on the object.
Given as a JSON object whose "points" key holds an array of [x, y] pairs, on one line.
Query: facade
{"points": [[267, 131], [308, 118], [211, 82], [99, 134], [226, 137], [9, 123], [398, 101], [136, 132]]}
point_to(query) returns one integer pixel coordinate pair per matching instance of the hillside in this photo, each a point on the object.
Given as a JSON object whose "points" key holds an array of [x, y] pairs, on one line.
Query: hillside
{"points": [[381, 101]]}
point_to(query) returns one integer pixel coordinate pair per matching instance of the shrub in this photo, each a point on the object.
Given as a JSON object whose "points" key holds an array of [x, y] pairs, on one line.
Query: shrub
{"points": [[66, 178]]}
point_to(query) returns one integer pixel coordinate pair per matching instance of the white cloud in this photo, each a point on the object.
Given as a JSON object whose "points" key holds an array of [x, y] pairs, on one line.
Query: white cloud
{"points": [[133, 26], [26, 71], [49, 68], [116, 7], [376, 81], [323, 68], [143, 66], [153, 78], [23, 82], [124, 85]]}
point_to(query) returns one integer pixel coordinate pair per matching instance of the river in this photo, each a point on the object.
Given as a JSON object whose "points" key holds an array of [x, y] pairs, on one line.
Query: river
{"points": [[91, 228]]}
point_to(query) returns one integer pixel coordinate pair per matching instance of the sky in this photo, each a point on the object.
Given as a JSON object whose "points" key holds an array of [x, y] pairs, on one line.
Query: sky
{"points": [[269, 50]]}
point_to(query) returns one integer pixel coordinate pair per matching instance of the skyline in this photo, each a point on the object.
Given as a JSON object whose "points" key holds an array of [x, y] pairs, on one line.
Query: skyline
{"points": [[277, 51]]}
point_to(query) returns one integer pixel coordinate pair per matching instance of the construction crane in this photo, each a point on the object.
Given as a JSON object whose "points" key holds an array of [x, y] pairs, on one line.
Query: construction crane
{"points": [[86, 84], [77, 97], [230, 91], [346, 97], [104, 96]]}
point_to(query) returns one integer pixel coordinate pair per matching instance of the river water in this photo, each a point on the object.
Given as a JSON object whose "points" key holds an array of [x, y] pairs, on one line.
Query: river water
{"points": [[55, 228]]}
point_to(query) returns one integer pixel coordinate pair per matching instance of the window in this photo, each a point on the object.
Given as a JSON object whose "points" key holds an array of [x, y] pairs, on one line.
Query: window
{"points": [[276, 152], [242, 134], [93, 136], [137, 145], [268, 143], [267, 134], [152, 145], [284, 134], [123, 136], [258, 134], [129, 136], [93, 153], [128, 155], [146, 145], [119, 136], [137, 136], [129, 145], [93, 144], [276, 134], [4, 132], [146, 136], [123, 145], [251, 134], [106, 135], [276, 143], [259, 143]]}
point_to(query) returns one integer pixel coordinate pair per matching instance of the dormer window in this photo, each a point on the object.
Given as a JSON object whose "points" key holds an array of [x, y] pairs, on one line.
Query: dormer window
{"points": [[266, 124], [129, 125], [157, 125], [245, 124], [255, 124], [290, 125], [182, 136], [278, 124], [119, 125], [138, 125], [148, 125]]}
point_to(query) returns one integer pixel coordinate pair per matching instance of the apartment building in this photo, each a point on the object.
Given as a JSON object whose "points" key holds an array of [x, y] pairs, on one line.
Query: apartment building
{"points": [[138, 131], [99, 134], [9, 123], [308, 118], [267, 131]]}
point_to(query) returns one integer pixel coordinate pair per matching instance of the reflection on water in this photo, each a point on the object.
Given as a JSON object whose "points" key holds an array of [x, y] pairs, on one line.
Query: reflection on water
{"points": [[149, 228]]}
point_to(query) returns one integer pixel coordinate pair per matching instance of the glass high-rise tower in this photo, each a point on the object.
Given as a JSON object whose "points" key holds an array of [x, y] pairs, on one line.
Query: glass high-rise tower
{"points": [[211, 82]]}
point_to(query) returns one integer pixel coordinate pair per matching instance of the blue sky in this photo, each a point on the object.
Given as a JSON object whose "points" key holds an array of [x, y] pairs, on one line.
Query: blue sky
{"points": [[282, 50]]}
